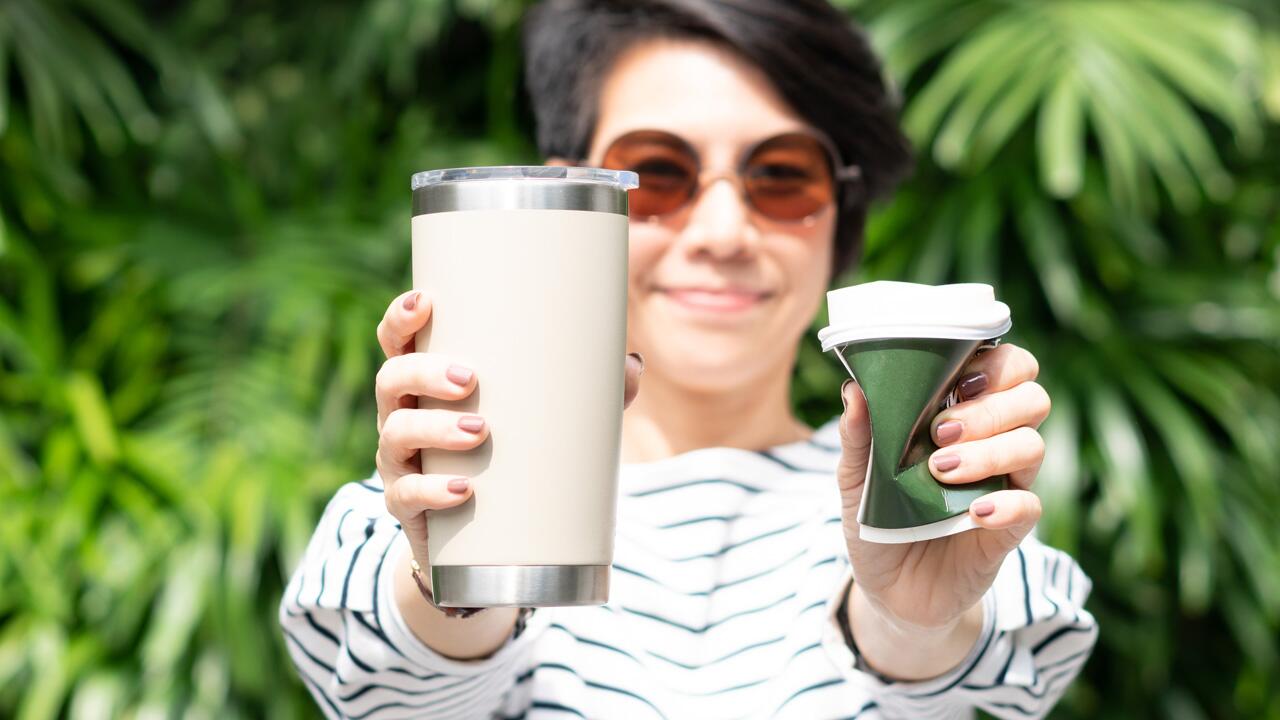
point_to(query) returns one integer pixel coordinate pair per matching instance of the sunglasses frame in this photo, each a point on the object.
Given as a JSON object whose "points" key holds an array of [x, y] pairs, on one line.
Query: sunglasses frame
{"points": [[841, 174]]}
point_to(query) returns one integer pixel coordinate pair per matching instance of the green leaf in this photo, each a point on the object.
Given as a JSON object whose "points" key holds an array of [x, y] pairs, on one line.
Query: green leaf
{"points": [[1060, 136], [1059, 483], [1200, 74], [1107, 106], [100, 695], [1191, 450], [4, 98], [1127, 492], [977, 244], [1047, 246], [191, 571], [1014, 83], [1250, 629], [934, 255], [88, 405], [984, 49], [908, 34]]}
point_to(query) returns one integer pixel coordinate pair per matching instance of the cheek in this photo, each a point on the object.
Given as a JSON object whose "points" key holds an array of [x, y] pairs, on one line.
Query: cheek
{"points": [[806, 259], [646, 245]]}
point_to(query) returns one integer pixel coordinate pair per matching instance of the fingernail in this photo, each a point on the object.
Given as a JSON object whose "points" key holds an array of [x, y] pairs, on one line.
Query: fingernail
{"points": [[471, 423], [983, 508], [949, 431], [458, 375], [411, 302], [640, 359], [946, 462], [844, 387], [458, 485], [972, 385]]}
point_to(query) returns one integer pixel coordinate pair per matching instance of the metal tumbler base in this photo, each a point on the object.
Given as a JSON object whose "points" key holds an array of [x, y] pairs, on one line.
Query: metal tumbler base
{"points": [[519, 585]]}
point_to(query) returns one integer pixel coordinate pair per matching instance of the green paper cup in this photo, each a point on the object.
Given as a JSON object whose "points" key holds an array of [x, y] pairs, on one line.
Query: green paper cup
{"points": [[906, 344]]}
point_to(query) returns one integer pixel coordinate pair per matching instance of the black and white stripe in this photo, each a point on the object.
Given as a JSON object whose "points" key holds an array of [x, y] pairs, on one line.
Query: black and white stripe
{"points": [[728, 569]]}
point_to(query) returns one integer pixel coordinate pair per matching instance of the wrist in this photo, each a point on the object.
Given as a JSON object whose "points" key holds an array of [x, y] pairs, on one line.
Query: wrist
{"points": [[451, 638], [873, 611], [903, 650]]}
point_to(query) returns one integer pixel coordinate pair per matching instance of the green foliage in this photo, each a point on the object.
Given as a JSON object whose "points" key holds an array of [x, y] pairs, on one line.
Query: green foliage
{"points": [[200, 226]]}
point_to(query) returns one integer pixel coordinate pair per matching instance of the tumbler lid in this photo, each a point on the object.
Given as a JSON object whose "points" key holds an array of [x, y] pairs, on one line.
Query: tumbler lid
{"points": [[891, 309], [623, 179], [522, 187]]}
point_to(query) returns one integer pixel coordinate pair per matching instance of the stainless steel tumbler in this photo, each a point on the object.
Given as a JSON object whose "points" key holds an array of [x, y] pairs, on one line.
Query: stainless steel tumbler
{"points": [[526, 268]]}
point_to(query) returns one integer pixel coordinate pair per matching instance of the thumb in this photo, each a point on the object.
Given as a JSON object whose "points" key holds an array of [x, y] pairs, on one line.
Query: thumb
{"points": [[855, 440], [633, 368], [415, 531]]}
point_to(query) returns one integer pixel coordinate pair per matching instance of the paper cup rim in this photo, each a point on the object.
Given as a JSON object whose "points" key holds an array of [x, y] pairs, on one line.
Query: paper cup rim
{"points": [[942, 528], [832, 337]]}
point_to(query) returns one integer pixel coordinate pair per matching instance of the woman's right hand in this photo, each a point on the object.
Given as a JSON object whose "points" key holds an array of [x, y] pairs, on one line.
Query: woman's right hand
{"points": [[404, 429]]}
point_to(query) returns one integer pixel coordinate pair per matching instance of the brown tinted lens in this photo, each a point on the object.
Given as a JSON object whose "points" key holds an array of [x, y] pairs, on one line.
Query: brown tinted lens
{"points": [[789, 177], [666, 165]]}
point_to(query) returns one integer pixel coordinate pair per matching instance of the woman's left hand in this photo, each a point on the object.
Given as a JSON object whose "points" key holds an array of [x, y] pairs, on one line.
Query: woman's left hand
{"points": [[926, 590]]}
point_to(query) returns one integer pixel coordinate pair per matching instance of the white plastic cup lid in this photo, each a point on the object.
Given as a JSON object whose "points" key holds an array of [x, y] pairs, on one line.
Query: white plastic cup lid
{"points": [[891, 309]]}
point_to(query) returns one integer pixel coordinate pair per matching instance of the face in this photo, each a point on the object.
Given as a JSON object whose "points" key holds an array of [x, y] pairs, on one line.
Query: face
{"points": [[719, 293]]}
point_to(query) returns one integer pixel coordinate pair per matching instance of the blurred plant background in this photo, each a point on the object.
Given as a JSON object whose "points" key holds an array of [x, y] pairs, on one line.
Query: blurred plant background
{"points": [[204, 209]]}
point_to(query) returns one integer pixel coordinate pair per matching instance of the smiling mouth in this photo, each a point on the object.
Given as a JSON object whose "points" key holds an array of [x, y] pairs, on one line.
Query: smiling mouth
{"points": [[715, 300]]}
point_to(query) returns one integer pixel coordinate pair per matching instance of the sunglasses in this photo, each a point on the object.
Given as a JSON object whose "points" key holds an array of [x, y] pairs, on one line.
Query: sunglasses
{"points": [[786, 178]]}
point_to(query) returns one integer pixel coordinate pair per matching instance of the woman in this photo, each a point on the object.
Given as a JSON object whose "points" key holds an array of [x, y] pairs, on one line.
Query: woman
{"points": [[740, 585]]}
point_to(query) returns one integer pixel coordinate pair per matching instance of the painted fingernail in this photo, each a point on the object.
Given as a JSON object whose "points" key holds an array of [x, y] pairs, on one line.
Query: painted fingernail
{"points": [[946, 462], [411, 302], [458, 485], [983, 508], [972, 385], [640, 359], [458, 375], [471, 423], [950, 431], [844, 388]]}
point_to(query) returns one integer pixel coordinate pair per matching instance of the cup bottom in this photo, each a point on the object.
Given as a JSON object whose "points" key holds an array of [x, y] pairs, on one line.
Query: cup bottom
{"points": [[519, 585], [941, 528]]}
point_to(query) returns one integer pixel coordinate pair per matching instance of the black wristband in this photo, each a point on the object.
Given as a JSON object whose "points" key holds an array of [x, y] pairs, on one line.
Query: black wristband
{"points": [[842, 617]]}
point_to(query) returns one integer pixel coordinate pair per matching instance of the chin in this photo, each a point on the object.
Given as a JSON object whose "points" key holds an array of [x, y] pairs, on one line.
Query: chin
{"points": [[711, 362]]}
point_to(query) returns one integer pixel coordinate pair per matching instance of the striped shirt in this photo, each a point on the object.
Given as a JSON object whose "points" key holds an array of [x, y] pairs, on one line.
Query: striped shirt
{"points": [[728, 572]]}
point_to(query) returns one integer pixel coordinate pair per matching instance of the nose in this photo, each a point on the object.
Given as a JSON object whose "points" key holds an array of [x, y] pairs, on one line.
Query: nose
{"points": [[718, 224]]}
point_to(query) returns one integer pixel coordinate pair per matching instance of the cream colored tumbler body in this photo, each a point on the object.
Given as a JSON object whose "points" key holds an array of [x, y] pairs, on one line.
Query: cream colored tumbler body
{"points": [[527, 275]]}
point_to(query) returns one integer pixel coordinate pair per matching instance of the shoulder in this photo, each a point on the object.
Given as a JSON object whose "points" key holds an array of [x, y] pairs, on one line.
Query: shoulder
{"points": [[351, 541], [363, 498]]}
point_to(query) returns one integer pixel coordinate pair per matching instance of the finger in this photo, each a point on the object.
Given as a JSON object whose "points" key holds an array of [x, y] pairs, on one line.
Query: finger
{"points": [[405, 316], [1013, 512], [409, 430], [855, 441], [1023, 404], [978, 459], [1024, 478], [633, 369], [391, 465], [410, 495], [403, 377], [998, 369]]}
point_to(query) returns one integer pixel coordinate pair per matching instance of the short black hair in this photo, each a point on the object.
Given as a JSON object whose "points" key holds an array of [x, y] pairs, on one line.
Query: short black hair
{"points": [[818, 59]]}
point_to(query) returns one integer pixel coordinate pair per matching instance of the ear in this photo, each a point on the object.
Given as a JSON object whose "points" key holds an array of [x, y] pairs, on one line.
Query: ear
{"points": [[557, 161]]}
